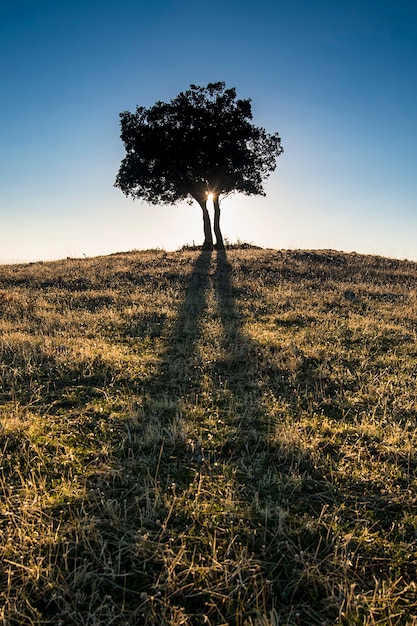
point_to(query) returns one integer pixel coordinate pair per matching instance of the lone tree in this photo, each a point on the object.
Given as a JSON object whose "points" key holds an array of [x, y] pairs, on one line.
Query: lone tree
{"points": [[200, 145]]}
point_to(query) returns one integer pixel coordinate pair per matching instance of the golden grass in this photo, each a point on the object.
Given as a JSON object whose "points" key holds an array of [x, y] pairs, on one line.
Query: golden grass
{"points": [[189, 438]]}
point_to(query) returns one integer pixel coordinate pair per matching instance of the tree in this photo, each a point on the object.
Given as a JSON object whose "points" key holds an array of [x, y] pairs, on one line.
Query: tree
{"points": [[199, 145]]}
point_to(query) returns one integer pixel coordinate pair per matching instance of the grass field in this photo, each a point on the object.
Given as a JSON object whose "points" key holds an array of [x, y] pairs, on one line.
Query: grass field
{"points": [[195, 438]]}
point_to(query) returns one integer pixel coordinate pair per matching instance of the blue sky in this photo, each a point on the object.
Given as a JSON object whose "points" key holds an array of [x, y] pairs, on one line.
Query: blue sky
{"points": [[337, 79]]}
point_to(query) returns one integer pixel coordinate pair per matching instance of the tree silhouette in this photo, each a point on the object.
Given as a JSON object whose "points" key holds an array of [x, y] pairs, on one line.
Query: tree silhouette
{"points": [[201, 144]]}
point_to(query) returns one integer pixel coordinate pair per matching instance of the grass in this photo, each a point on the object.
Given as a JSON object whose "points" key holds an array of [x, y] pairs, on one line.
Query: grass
{"points": [[195, 438]]}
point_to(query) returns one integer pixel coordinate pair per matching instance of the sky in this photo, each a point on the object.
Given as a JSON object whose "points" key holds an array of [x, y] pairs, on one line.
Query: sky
{"points": [[335, 78]]}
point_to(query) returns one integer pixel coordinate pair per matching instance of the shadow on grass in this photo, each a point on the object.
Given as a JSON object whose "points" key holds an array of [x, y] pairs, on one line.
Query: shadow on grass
{"points": [[223, 553]]}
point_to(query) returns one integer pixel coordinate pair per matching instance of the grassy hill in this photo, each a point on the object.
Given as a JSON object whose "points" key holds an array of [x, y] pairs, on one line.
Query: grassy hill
{"points": [[189, 438]]}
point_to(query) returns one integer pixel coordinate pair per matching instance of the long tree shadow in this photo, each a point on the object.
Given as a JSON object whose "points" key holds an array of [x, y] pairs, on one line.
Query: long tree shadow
{"points": [[203, 440], [207, 401]]}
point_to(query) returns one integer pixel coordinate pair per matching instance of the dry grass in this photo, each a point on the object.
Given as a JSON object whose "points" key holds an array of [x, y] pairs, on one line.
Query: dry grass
{"points": [[189, 438]]}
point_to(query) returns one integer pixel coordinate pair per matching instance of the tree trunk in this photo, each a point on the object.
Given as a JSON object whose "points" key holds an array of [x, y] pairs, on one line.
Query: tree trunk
{"points": [[208, 237], [217, 231]]}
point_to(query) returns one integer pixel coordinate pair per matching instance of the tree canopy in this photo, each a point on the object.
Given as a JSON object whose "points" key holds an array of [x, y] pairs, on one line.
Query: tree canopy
{"points": [[202, 142]]}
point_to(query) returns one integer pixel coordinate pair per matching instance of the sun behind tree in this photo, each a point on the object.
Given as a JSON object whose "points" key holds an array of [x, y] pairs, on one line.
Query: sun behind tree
{"points": [[201, 145]]}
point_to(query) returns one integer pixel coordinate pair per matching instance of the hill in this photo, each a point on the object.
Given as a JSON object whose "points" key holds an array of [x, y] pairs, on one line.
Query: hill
{"points": [[196, 438]]}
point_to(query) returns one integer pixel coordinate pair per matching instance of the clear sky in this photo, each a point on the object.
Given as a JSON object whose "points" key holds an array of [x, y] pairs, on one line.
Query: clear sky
{"points": [[336, 78]]}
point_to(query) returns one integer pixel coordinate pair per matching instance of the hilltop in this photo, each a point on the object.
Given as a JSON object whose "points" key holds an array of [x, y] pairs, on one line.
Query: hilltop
{"points": [[196, 438]]}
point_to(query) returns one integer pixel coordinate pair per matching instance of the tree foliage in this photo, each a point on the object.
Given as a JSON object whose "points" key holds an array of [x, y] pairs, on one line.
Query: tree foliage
{"points": [[201, 142]]}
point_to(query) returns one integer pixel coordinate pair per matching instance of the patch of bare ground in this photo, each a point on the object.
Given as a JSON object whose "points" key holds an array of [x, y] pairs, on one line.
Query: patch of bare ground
{"points": [[209, 438]]}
